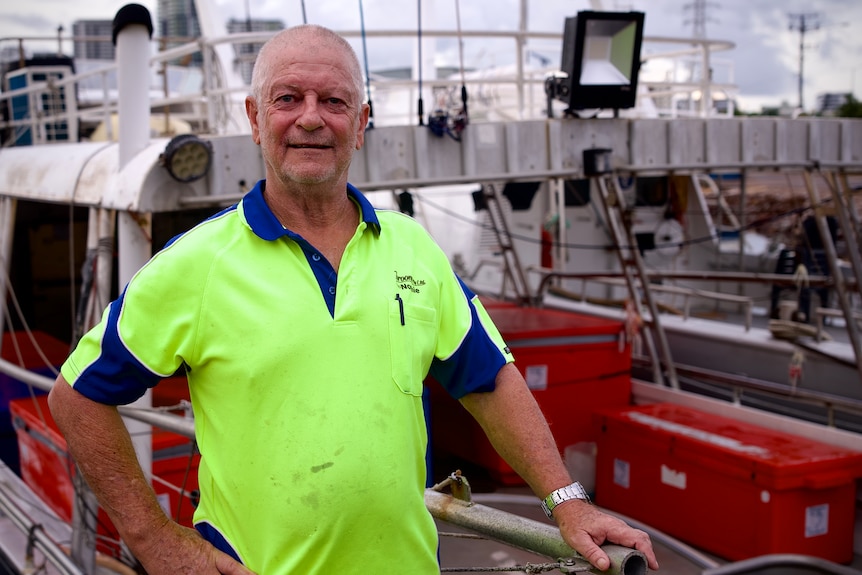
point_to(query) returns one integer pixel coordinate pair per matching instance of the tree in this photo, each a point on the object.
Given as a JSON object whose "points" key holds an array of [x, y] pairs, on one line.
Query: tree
{"points": [[852, 108]]}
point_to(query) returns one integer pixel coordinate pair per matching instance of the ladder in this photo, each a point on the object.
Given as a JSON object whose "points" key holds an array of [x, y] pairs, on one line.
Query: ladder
{"points": [[848, 222], [636, 279], [512, 269]]}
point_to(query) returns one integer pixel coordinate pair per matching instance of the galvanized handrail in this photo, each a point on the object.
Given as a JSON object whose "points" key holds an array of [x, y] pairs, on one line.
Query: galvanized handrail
{"points": [[39, 539], [541, 538]]}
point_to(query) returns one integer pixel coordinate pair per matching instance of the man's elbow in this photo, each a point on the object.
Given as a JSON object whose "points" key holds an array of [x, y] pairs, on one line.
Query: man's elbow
{"points": [[63, 400]]}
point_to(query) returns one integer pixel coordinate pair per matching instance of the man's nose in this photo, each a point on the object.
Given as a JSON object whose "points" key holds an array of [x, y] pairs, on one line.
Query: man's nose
{"points": [[309, 117]]}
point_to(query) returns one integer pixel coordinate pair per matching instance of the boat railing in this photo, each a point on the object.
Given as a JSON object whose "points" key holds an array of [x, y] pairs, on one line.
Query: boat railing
{"points": [[688, 294], [737, 389], [820, 313], [513, 92], [549, 278]]}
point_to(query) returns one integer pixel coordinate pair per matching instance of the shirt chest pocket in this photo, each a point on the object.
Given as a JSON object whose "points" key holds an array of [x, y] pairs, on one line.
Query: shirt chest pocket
{"points": [[412, 340]]}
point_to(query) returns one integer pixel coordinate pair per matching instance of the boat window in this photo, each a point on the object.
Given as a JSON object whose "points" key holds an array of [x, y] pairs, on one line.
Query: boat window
{"points": [[520, 194], [646, 241], [577, 192], [651, 191]]}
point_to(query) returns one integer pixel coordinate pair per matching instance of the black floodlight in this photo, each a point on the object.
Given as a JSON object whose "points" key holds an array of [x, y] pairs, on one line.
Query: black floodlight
{"points": [[187, 157], [601, 60]]}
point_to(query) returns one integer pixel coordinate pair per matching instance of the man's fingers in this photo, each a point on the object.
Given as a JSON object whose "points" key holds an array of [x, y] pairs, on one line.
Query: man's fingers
{"points": [[588, 549], [645, 547], [635, 539], [226, 565]]}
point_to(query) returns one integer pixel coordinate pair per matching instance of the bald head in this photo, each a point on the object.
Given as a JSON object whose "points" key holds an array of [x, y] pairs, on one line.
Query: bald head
{"points": [[310, 37]]}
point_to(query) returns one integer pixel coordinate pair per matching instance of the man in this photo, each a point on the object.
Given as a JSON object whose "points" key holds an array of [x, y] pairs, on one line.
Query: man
{"points": [[308, 409]]}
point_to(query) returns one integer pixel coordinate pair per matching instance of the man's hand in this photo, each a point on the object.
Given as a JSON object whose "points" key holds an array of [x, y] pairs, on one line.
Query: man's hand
{"points": [[181, 551], [584, 528], [518, 431]]}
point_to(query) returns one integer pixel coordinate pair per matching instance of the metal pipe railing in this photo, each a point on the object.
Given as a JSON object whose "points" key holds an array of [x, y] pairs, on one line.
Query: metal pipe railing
{"points": [[682, 549], [516, 531], [782, 563], [40, 540], [166, 421]]}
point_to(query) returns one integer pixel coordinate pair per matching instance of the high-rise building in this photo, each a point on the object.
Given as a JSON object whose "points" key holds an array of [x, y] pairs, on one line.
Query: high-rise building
{"points": [[87, 46], [247, 53], [179, 24], [829, 103]]}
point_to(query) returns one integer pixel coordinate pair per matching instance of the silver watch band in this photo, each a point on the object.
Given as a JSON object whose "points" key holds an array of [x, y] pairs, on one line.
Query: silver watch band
{"points": [[573, 491]]}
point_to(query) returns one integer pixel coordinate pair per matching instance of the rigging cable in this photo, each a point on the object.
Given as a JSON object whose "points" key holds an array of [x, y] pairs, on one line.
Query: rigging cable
{"points": [[461, 59], [367, 72], [419, 38]]}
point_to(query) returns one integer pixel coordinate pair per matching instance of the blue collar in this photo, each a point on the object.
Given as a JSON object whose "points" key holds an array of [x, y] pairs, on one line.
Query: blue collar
{"points": [[265, 225]]}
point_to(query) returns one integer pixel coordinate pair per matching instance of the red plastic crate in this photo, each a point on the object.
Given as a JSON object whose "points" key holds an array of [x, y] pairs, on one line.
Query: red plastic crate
{"points": [[20, 349], [734, 489], [45, 465], [47, 469], [573, 364]]}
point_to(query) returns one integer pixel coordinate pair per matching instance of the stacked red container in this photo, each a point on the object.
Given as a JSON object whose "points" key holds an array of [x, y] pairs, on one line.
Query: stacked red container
{"points": [[734, 489]]}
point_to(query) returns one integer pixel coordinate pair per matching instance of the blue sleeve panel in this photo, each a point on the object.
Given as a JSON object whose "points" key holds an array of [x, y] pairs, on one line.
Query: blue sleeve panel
{"points": [[117, 377], [474, 365]]}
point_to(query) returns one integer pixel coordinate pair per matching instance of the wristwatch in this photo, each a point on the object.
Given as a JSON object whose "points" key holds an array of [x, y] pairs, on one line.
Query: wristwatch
{"points": [[573, 491]]}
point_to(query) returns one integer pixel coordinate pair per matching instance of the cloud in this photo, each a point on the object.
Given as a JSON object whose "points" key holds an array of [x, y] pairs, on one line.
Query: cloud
{"points": [[36, 23]]}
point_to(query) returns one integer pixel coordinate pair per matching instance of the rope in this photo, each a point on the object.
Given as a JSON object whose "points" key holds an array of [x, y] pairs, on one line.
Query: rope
{"points": [[527, 568]]}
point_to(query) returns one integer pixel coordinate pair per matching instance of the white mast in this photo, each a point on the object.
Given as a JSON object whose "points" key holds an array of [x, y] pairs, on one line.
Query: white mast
{"points": [[132, 30]]}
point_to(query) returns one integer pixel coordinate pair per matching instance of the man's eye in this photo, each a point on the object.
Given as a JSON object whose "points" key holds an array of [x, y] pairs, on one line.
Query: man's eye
{"points": [[286, 98]]}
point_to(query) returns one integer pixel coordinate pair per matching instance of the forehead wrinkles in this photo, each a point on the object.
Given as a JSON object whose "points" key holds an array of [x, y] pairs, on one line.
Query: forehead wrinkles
{"points": [[315, 77], [305, 64], [310, 41]]}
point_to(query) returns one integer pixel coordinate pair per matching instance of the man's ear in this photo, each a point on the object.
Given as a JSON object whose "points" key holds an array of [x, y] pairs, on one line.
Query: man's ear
{"points": [[251, 112], [363, 123]]}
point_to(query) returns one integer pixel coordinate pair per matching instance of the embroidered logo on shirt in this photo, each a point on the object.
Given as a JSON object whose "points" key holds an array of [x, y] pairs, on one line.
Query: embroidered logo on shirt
{"points": [[408, 283]]}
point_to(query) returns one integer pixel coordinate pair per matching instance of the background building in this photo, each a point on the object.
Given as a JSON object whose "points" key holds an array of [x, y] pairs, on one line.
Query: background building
{"points": [[178, 25], [829, 103], [247, 53], [91, 48]]}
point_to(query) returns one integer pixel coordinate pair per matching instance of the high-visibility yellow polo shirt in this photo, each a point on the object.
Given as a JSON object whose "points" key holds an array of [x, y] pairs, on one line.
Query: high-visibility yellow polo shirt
{"points": [[306, 386]]}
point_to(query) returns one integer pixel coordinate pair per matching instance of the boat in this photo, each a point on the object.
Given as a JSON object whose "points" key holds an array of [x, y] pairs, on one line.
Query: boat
{"points": [[155, 187]]}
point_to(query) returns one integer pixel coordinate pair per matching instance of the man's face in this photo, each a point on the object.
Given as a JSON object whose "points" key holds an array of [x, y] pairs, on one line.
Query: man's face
{"points": [[309, 119]]}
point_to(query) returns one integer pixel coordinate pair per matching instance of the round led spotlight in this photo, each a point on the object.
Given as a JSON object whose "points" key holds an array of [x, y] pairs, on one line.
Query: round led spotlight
{"points": [[187, 158]]}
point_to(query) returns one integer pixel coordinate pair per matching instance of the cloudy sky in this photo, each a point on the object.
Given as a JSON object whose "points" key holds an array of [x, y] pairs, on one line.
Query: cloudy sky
{"points": [[764, 65]]}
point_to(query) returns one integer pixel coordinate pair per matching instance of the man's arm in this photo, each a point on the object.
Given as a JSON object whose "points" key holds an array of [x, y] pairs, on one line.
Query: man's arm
{"points": [[513, 422], [102, 449]]}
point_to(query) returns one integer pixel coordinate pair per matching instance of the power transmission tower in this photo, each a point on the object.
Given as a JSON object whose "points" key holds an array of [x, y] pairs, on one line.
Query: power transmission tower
{"points": [[804, 22], [699, 17]]}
